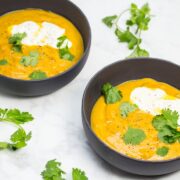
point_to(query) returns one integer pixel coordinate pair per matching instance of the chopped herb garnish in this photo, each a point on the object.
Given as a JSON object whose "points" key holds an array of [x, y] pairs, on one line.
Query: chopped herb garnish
{"points": [[61, 41], [38, 75], [16, 41], [166, 125], [163, 151], [111, 93], [134, 136], [64, 51], [3, 62], [66, 54], [139, 18], [19, 138], [31, 60], [126, 108]]}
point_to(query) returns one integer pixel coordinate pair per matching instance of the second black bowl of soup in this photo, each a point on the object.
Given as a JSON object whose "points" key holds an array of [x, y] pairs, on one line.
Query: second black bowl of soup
{"points": [[131, 115]]}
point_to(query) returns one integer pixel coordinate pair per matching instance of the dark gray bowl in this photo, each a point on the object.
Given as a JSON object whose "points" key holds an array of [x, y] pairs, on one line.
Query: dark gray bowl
{"points": [[117, 73], [46, 86]]}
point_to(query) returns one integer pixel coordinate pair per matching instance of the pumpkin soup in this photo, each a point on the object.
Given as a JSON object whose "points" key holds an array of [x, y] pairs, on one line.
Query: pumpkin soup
{"points": [[36, 44], [139, 118]]}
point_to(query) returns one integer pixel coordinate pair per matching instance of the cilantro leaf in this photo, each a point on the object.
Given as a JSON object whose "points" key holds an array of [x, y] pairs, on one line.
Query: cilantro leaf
{"points": [[3, 62], [66, 54], [138, 52], [53, 171], [61, 41], [109, 20], [166, 125], [139, 16], [38, 75], [64, 51], [163, 151], [3, 145], [126, 36], [111, 94], [16, 41], [126, 108], [15, 116], [78, 174], [134, 136], [31, 60], [19, 138]]}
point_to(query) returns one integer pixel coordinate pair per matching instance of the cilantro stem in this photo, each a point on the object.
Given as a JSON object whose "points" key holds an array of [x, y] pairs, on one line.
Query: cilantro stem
{"points": [[120, 15], [11, 122]]}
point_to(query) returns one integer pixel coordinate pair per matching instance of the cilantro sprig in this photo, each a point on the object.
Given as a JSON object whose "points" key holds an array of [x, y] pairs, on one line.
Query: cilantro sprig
{"points": [[126, 108], [139, 18], [31, 59], [64, 51], [166, 124], [16, 41], [53, 171], [111, 93], [19, 138]]}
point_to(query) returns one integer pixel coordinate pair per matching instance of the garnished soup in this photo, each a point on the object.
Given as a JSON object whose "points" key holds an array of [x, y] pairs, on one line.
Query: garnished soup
{"points": [[37, 44], [139, 118]]}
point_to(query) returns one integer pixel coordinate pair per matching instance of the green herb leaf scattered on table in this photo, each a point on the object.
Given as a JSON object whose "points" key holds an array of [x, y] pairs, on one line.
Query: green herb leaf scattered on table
{"points": [[31, 60], [126, 108], [19, 138], [16, 41], [3, 62], [163, 151], [166, 124], [139, 18], [109, 20], [127, 36], [134, 136], [53, 171], [111, 93], [78, 174], [38, 75]]}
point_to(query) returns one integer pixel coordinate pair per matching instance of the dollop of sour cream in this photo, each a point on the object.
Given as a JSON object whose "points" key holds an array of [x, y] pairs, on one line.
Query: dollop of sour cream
{"points": [[43, 34], [154, 100]]}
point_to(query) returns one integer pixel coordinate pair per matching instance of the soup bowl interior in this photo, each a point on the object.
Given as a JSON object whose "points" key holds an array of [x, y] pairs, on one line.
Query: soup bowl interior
{"points": [[118, 73], [41, 87]]}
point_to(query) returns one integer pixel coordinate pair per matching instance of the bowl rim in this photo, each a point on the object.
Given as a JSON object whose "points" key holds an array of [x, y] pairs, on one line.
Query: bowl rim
{"points": [[85, 52], [85, 118]]}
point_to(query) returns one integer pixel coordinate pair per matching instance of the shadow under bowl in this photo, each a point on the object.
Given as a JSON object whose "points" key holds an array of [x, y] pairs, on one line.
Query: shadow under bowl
{"points": [[49, 85], [118, 73]]}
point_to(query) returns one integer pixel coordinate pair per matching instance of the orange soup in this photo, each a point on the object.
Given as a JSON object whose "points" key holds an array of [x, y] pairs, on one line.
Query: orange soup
{"points": [[37, 44], [139, 118]]}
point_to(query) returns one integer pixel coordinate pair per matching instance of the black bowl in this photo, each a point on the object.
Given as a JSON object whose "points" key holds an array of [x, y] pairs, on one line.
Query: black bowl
{"points": [[46, 86], [117, 73]]}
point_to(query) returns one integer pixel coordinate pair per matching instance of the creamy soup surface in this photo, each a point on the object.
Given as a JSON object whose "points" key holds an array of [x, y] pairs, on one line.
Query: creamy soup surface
{"points": [[37, 50], [138, 134]]}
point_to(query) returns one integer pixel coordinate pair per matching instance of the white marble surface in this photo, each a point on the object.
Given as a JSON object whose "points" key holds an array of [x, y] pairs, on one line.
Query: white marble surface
{"points": [[57, 128]]}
